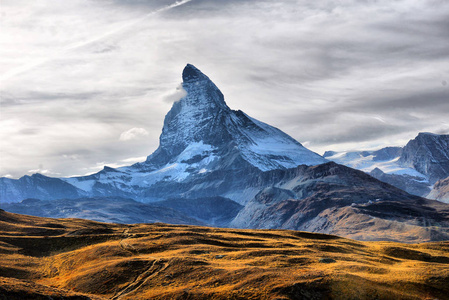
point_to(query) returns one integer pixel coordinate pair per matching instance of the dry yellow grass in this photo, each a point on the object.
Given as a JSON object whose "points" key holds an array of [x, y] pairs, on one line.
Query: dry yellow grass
{"points": [[77, 258]]}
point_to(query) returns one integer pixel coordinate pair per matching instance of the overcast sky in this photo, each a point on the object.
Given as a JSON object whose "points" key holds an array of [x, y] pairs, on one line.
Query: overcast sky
{"points": [[87, 83]]}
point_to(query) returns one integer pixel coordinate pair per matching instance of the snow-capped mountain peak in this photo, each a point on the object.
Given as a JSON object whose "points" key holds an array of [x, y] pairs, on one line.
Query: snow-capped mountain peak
{"points": [[203, 116]]}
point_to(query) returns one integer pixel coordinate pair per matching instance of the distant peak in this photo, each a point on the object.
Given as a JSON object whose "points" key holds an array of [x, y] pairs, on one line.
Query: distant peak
{"points": [[191, 74]]}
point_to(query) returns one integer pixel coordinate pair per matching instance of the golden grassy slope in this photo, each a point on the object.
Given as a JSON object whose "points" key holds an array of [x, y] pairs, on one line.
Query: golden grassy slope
{"points": [[80, 259]]}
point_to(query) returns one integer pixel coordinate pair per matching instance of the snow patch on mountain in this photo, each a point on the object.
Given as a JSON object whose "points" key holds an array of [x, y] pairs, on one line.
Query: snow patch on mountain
{"points": [[193, 160], [269, 148], [85, 185], [359, 160]]}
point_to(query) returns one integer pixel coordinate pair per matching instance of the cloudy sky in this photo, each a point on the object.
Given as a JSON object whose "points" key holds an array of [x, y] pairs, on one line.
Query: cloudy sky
{"points": [[87, 83]]}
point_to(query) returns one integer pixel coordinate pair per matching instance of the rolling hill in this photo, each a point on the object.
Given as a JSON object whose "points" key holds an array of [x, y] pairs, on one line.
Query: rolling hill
{"points": [[43, 258]]}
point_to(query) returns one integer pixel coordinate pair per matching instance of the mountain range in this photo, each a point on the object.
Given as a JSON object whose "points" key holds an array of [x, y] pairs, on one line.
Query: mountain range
{"points": [[415, 168], [220, 167]]}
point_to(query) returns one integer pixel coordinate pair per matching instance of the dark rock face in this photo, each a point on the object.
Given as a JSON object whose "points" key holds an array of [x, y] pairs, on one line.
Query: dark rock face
{"points": [[202, 116], [198, 117], [429, 154]]}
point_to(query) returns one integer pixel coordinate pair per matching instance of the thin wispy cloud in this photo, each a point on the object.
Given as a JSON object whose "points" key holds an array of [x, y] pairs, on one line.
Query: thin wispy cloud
{"points": [[63, 52], [338, 74]]}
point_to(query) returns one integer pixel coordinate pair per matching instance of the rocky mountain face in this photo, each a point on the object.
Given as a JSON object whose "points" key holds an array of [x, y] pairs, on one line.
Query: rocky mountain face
{"points": [[428, 154], [220, 167], [440, 190], [413, 168], [327, 198], [335, 199], [201, 126]]}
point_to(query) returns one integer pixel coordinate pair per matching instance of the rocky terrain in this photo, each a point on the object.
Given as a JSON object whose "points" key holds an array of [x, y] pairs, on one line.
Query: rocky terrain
{"points": [[43, 258]]}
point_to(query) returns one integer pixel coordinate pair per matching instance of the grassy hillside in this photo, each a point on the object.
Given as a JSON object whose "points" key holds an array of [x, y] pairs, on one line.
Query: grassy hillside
{"points": [[79, 259]]}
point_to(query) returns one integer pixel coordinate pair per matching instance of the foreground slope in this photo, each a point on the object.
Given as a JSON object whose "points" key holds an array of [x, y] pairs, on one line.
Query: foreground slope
{"points": [[79, 259]]}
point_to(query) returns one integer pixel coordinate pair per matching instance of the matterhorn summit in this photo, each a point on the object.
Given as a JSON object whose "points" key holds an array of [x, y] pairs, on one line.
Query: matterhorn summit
{"points": [[202, 120]]}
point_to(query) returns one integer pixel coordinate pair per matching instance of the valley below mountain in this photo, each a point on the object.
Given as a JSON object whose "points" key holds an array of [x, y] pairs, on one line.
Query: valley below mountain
{"points": [[47, 258]]}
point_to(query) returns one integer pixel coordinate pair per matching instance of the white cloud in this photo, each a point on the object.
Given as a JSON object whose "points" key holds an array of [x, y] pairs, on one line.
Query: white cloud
{"points": [[39, 171], [133, 134], [132, 160], [175, 95]]}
